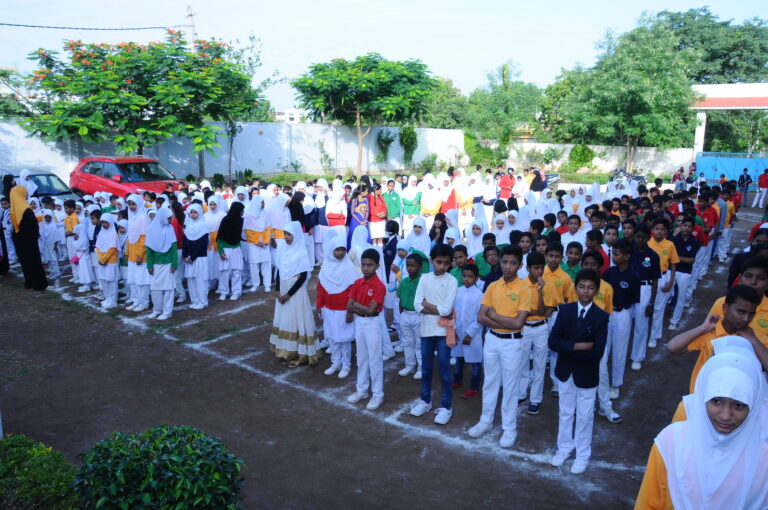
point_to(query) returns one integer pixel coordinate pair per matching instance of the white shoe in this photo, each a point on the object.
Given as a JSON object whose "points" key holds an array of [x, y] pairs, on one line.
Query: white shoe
{"points": [[453, 361], [153, 315], [404, 372], [323, 344], [222, 297], [164, 317], [559, 459], [129, 301], [181, 299], [480, 429], [107, 305], [508, 439], [389, 356], [343, 373], [417, 374], [398, 348], [357, 397], [420, 408], [131, 306], [443, 415], [651, 344], [614, 393], [196, 306], [235, 297], [374, 403], [267, 289], [672, 326], [140, 308], [579, 466], [636, 365], [610, 415], [331, 370], [84, 288]]}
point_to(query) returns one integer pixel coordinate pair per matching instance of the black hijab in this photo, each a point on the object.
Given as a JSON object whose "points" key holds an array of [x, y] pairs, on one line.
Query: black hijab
{"points": [[436, 233], [231, 228], [296, 208]]}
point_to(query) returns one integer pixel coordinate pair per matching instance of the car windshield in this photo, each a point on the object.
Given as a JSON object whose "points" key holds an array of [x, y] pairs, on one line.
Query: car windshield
{"points": [[48, 185], [144, 171]]}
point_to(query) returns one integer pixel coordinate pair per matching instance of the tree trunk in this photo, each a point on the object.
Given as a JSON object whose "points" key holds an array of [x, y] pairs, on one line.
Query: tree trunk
{"points": [[201, 164], [360, 137], [630, 153], [140, 150], [229, 155]]}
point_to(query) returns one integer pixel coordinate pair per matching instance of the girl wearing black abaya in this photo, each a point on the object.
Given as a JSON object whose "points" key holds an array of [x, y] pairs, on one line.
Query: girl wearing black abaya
{"points": [[25, 235]]}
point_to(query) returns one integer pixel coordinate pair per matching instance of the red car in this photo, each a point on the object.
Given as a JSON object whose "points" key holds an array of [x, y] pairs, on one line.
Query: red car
{"points": [[120, 175]]}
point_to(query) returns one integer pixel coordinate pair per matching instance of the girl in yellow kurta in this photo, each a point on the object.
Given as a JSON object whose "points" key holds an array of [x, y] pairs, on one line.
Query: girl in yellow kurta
{"points": [[138, 277], [258, 234], [106, 251]]}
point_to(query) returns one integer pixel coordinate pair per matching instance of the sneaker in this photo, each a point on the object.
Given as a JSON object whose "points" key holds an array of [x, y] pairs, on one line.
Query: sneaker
{"points": [[84, 288], [196, 306], [521, 400], [323, 344], [417, 375], [140, 308], [267, 289], [508, 439], [636, 365], [614, 393], [343, 373], [404, 372], [374, 403], [107, 305], [164, 317], [398, 347], [672, 326], [554, 393], [153, 315], [479, 430], [222, 297], [130, 302], [611, 415], [469, 393], [456, 385], [181, 299], [651, 343], [559, 459], [388, 357], [331, 370], [533, 408], [443, 415], [357, 397], [131, 306], [235, 297], [579, 466], [420, 408]]}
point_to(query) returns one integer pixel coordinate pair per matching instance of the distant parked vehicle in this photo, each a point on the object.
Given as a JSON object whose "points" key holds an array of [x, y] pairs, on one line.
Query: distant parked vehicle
{"points": [[553, 180], [641, 180], [48, 183], [120, 175]]}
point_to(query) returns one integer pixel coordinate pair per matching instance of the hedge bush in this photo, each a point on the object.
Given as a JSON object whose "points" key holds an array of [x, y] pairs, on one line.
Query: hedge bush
{"points": [[164, 467], [33, 475]]}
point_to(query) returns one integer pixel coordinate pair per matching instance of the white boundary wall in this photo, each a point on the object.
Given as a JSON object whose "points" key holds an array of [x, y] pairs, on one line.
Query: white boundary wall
{"points": [[264, 147]]}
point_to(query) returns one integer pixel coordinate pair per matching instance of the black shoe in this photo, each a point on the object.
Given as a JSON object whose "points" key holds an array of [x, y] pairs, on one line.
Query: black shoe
{"points": [[533, 408], [554, 393], [521, 400]]}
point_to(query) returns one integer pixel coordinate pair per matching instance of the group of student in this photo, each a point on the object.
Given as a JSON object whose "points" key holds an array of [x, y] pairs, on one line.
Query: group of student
{"points": [[553, 278]]}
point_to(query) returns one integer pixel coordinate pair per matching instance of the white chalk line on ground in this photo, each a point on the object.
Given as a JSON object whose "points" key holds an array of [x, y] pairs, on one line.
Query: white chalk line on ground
{"points": [[537, 463]]}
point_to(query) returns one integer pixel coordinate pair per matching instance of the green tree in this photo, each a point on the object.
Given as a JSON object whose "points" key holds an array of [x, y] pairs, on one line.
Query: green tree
{"points": [[552, 126], [367, 91], [446, 108], [505, 106], [638, 93]]}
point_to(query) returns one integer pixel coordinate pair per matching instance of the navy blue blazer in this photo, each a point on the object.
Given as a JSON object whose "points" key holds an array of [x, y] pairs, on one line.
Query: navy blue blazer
{"points": [[584, 366]]}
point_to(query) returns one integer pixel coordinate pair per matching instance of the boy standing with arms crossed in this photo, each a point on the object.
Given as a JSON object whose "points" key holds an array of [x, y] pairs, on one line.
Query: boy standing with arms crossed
{"points": [[410, 319], [535, 334], [668, 261]]}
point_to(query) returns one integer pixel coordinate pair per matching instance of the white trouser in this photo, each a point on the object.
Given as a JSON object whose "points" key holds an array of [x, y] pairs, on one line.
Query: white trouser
{"points": [[309, 243], [659, 306], [52, 259], [95, 269], [581, 403], [724, 243], [224, 282], [263, 269], [698, 270], [619, 324], [341, 354], [408, 224], [411, 338], [552, 354], [370, 363], [140, 294], [501, 370], [110, 291], [683, 282], [537, 339], [162, 302], [123, 274], [396, 316], [640, 338], [708, 258], [759, 200], [178, 277], [198, 290], [386, 340]]}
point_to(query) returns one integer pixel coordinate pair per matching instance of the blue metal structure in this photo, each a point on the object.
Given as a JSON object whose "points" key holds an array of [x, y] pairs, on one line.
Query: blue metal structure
{"points": [[732, 164]]}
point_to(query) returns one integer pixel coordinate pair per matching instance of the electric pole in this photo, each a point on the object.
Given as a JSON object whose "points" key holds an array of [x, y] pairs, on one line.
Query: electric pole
{"points": [[191, 24]]}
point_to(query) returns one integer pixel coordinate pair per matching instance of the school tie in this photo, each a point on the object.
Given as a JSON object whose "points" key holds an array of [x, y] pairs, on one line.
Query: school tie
{"points": [[610, 260], [581, 316]]}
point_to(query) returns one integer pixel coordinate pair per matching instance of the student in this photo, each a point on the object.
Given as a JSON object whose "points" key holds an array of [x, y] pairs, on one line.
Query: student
{"points": [[540, 245], [469, 340], [628, 228], [492, 258], [562, 219], [460, 259], [760, 237], [571, 267], [595, 243], [526, 244], [739, 309], [668, 260], [139, 279], [366, 302], [435, 297], [574, 234], [337, 275], [645, 262], [231, 256], [505, 307], [558, 285], [410, 319], [48, 240], [535, 334], [162, 263], [579, 337], [107, 253], [625, 283], [122, 256], [687, 247], [610, 236], [754, 273], [258, 234], [194, 253], [701, 462], [69, 226], [390, 270], [479, 258]]}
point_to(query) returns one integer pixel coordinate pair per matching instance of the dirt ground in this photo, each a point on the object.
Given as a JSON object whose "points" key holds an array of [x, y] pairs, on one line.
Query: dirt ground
{"points": [[70, 374]]}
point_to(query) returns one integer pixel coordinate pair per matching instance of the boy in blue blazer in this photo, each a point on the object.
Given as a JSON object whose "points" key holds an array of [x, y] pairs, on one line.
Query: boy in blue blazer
{"points": [[577, 371]]}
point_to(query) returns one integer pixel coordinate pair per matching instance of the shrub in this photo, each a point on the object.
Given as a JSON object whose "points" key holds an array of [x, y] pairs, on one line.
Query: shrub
{"points": [[384, 140], [33, 475], [580, 156], [217, 181], [326, 160], [190, 178], [164, 467], [479, 154], [428, 164], [409, 140]]}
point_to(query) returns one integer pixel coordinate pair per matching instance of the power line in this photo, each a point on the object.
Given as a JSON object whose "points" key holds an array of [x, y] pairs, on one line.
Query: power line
{"points": [[89, 28]]}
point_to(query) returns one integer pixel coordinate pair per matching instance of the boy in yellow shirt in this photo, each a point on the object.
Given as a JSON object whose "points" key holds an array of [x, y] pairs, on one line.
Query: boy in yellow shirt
{"points": [[557, 288], [535, 336], [668, 260]]}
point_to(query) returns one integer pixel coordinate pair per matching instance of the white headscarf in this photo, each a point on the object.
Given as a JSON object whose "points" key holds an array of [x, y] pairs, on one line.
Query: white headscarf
{"points": [[321, 196], [454, 234], [502, 236], [278, 213], [336, 203], [292, 258], [81, 243], [420, 242], [241, 190], [107, 237], [137, 221], [336, 275], [213, 219], [706, 469], [430, 197], [410, 191], [160, 234], [478, 211], [195, 229], [474, 242], [48, 229], [523, 222], [255, 219], [452, 217], [444, 186], [29, 184]]}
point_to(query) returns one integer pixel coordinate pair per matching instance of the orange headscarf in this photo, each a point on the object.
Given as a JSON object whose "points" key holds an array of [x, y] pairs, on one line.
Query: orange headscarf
{"points": [[19, 204]]}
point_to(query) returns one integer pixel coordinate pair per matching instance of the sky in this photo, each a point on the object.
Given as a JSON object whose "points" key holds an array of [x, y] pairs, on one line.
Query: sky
{"points": [[459, 40]]}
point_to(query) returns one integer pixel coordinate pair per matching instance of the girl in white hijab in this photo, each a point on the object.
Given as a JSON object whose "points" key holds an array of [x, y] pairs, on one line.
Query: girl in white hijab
{"points": [[194, 253], [475, 238], [258, 235], [419, 236], [293, 336], [139, 279], [81, 258], [162, 263], [49, 235], [717, 458], [107, 253], [25, 179], [336, 210], [337, 274], [431, 199], [502, 227], [453, 237], [216, 211]]}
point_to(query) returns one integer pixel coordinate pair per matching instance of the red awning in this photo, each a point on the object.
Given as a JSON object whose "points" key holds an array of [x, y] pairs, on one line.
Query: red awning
{"points": [[733, 102]]}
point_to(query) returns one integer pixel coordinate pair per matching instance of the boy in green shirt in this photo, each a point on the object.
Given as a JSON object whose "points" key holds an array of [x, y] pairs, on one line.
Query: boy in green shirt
{"points": [[459, 261], [410, 319], [489, 239], [571, 266]]}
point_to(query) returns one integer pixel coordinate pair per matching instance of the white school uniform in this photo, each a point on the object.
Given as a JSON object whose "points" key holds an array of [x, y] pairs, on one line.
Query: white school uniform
{"points": [[467, 307]]}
